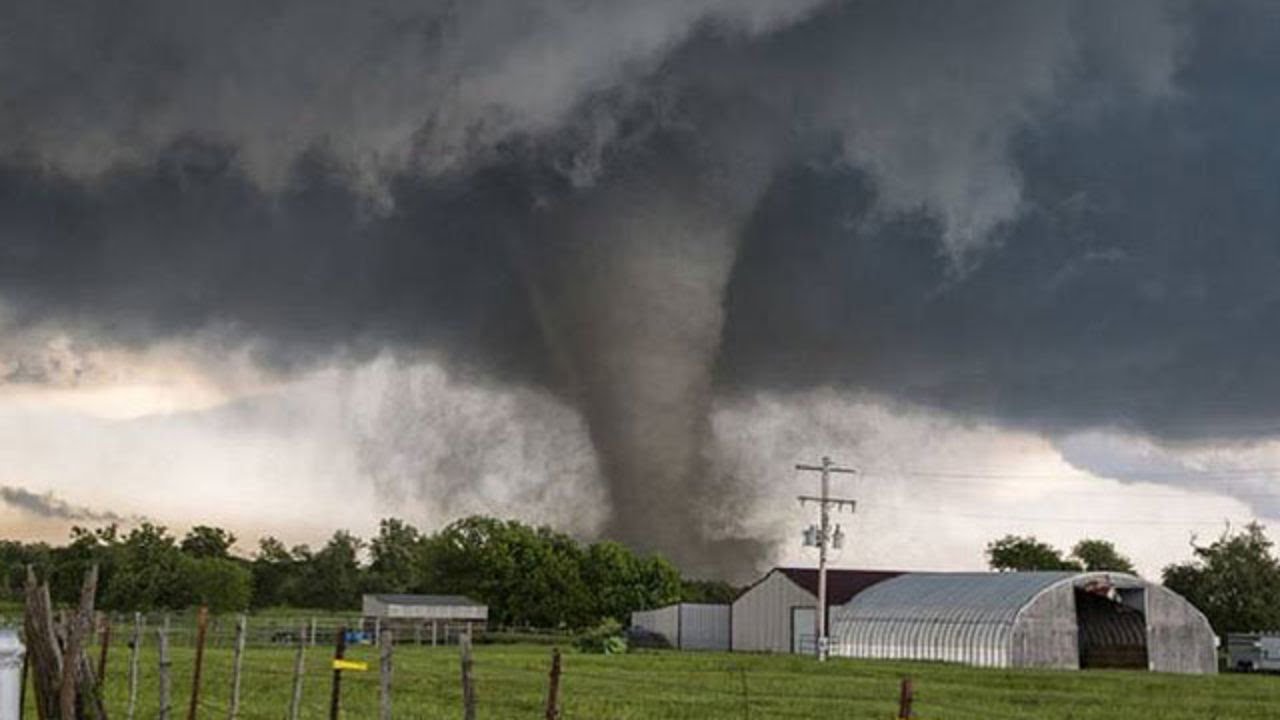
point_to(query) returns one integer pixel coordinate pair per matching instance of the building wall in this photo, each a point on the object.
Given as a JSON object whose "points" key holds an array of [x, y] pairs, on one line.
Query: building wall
{"points": [[762, 615], [370, 606], [1045, 632], [1179, 638], [664, 621], [437, 612], [704, 627], [970, 640]]}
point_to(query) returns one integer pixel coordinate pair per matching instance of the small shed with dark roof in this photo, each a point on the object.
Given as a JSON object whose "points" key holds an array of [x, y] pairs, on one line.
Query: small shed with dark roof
{"points": [[434, 618], [778, 612]]}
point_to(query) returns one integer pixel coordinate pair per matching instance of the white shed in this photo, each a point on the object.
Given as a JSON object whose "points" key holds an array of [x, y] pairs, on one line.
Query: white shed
{"points": [[688, 626], [438, 618], [778, 612]]}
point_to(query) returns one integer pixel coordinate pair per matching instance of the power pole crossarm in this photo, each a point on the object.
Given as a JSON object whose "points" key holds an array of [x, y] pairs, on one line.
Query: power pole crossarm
{"points": [[825, 503], [832, 469]]}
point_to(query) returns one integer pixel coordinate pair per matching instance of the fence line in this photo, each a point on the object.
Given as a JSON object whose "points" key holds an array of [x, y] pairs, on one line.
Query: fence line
{"points": [[309, 630]]}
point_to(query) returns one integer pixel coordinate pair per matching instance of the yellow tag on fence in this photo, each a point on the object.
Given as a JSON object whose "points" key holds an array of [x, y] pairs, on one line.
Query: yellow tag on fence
{"points": [[350, 665]]}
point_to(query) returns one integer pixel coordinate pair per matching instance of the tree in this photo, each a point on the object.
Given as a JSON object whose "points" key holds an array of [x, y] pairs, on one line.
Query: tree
{"points": [[1016, 553], [527, 576], [1235, 581], [331, 579], [274, 573], [708, 591], [1100, 556], [621, 582], [396, 557], [149, 574], [203, 541], [14, 559], [68, 564], [224, 585]]}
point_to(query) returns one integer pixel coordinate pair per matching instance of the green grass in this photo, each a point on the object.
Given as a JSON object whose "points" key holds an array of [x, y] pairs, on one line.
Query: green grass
{"points": [[667, 685]]}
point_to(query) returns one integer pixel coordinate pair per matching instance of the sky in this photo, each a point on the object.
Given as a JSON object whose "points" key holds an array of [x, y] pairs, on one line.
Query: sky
{"points": [[617, 267]]}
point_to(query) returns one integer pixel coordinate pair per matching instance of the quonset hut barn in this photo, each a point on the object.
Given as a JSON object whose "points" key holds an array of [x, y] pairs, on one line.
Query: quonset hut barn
{"points": [[1026, 619]]}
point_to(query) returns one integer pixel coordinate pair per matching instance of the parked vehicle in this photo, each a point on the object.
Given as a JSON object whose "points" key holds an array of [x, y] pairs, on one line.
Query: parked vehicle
{"points": [[1254, 652]]}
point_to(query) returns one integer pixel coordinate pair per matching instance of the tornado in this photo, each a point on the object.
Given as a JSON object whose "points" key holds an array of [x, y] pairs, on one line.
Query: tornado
{"points": [[632, 308]]}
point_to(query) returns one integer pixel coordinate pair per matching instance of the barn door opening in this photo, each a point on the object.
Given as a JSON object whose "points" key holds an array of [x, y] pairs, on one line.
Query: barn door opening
{"points": [[1113, 627], [803, 619]]}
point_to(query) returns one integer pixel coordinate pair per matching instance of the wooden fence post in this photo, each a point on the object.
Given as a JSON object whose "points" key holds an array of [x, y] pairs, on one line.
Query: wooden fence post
{"points": [[386, 643], [339, 652], [553, 687], [237, 655], [77, 674], [106, 645], [162, 648], [202, 627], [313, 632], [905, 695], [134, 645], [299, 668], [468, 683], [42, 646]]}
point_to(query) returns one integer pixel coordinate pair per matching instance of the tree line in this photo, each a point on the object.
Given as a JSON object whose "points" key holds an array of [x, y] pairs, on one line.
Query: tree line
{"points": [[528, 576], [1234, 581]]}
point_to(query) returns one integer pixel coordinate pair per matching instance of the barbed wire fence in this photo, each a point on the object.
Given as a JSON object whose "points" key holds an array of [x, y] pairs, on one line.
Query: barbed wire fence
{"points": [[195, 665]]}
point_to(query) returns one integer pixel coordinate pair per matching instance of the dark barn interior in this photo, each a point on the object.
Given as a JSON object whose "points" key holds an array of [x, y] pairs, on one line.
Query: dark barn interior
{"points": [[1113, 630]]}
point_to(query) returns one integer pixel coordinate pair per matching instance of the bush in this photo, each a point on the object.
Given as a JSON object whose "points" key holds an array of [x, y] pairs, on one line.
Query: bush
{"points": [[604, 639]]}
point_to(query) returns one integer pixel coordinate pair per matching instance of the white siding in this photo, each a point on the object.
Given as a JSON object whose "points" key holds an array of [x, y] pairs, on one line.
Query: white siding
{"points": [[704, 627], [664, 621], [438, 612], [762, 615], [1179, 638], [688, 626], [371, 607]]}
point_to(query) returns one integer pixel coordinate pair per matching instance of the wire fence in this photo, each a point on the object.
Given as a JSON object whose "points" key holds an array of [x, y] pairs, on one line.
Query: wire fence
{"points": [[418, 680], [314, 630]]}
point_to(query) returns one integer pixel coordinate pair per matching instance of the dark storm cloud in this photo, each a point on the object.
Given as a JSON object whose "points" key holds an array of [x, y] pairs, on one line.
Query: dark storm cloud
{"points": [[1136, 288], [187, 242], [50, 506], [1007, 209]]}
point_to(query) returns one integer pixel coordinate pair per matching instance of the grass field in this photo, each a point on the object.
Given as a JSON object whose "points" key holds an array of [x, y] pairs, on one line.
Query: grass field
{"points": [[511, 683]]}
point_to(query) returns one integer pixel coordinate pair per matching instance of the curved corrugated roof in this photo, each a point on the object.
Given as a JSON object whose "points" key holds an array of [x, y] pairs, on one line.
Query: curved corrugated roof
{"points": [[953, 596], [957, 617]]}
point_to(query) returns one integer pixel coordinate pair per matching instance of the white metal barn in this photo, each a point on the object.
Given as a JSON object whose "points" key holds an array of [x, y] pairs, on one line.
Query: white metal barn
{"points": [[436, 618], [778, 612], [688, 626], [1064, 620]]}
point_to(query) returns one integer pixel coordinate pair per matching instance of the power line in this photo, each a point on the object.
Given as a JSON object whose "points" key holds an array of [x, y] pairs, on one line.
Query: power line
{"points": [[1227, 474]]}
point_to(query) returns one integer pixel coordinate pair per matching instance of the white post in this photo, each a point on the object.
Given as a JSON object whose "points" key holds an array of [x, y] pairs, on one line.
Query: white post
{"points": [[11, 653]]}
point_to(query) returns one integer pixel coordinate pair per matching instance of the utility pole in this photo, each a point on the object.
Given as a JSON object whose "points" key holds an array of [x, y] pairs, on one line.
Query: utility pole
{"points": [[822, 537]]}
